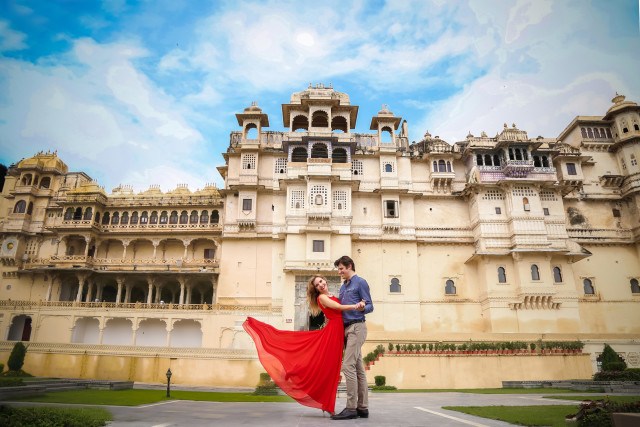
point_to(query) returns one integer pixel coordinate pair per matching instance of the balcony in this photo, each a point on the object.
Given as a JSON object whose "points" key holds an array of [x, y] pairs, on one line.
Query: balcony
{"points": [[517, 168], [117, 264]]}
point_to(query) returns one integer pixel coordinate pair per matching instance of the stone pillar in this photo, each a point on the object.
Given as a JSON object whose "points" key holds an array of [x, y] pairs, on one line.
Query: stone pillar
{"points": [[90, 292], [182, 282], [125, 244], [57, 246], [169, 329], [80, 289], [150, 281], [87, 241], [127, 294], [214, 283], [155, 249], [120, 281], [99, 291], [188, 295], [158, 293], [49, 289]]}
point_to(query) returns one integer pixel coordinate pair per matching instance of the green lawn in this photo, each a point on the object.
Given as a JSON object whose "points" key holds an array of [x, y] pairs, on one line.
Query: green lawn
{"points": [[619, 399], [143, 397], [544, 415], [483, 391]]}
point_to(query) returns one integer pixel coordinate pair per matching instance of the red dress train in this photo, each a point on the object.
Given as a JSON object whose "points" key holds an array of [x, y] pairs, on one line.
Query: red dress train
{"points": [[304, 364]]}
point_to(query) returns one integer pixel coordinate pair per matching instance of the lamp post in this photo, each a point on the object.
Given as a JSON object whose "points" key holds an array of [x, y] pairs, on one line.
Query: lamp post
{"points": [[169, 382]]}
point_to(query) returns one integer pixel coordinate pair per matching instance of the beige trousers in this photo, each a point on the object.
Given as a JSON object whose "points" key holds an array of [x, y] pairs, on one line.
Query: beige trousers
{"points": [[353, 368]]}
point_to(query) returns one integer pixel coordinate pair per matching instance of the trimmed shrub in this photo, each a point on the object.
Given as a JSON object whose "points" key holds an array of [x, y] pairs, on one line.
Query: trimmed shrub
{"points": [[383, 387], [626, 375], [380, 380], [16, 358], [53, 417], [609, 356], [614, 366], [10, 382]]}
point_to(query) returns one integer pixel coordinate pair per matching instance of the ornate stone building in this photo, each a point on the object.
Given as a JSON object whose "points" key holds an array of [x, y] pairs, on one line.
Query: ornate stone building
{"points": [[490, 238]]}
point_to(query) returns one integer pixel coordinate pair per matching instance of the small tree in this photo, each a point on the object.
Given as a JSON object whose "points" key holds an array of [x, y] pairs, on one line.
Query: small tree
{"points": [[16, 358], [390, 347], [380, 380], [610, 360]]}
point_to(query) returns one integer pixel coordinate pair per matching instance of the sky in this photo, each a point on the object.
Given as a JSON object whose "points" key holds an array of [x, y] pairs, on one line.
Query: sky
{"points": [[145, 92]]}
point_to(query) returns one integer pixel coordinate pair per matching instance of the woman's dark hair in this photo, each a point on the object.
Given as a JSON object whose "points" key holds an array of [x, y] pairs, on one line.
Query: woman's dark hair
{"points": [[346, 261]]}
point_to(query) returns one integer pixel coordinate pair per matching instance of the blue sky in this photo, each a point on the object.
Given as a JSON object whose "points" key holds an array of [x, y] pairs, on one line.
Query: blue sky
{"points": [[146, 92]]}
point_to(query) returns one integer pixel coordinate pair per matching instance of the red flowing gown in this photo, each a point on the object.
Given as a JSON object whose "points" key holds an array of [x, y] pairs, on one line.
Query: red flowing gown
{"points": [[304, 364]]}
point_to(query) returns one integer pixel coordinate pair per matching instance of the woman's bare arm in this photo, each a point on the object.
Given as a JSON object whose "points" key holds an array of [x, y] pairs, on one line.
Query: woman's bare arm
{"points": [[329, 303]]}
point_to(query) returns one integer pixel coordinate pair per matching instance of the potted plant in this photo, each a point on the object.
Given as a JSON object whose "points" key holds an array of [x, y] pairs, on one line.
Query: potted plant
{"points": [[532, 346]]}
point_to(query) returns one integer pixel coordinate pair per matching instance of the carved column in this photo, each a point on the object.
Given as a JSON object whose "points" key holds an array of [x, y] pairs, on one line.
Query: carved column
{"points": [[89, 297], [57, 246], [150, 281], [214, 283], [120, 281], [182, 282], [50, 288], [81, 279], [188, 295], [155, 248], [125, 243], [87, 241], [99, 291], [169, 329], [127, 293]]}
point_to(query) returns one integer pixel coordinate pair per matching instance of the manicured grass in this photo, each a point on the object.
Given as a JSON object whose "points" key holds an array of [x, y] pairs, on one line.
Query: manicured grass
{"points": [[144, 397], [619, 399], [544, 415], [43, 416], [483, 391]]}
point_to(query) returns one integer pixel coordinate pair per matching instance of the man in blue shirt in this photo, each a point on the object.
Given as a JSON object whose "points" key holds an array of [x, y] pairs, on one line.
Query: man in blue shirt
{"points": [[354, 290]]}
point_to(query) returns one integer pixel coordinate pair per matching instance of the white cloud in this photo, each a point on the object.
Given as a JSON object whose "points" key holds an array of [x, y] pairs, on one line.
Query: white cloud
{"points": [[11, 40], [99, 111]]}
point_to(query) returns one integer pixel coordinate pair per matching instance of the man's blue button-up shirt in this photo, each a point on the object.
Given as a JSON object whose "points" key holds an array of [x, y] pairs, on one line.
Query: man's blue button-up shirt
{"points": [[353, 291]]}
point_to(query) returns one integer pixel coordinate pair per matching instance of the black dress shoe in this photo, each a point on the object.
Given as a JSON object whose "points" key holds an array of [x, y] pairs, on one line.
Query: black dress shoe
{"points": [[346, 414], [363, 413]]}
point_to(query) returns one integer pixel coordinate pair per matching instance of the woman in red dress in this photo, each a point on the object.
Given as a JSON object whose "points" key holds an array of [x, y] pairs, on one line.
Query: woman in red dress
{"points": [[305, 364]]}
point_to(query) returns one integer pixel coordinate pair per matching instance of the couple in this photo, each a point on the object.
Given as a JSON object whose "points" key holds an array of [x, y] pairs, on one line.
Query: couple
{"points": [[306, 364]]}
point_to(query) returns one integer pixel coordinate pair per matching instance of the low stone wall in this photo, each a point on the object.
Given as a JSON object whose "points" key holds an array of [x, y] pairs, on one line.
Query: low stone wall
{"points": [[426, 371]]}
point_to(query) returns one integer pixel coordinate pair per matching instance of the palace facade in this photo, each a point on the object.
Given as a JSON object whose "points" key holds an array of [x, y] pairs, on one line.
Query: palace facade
{"points": [[504, 238]]}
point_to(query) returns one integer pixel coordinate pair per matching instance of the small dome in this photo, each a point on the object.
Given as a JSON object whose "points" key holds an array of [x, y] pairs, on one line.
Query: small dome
{"points": [[89, 187], [42, 160], [253, 108]]}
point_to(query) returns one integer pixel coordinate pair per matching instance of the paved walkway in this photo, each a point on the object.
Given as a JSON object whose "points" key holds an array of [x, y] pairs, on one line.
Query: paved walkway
{"points": [[389, 409]]}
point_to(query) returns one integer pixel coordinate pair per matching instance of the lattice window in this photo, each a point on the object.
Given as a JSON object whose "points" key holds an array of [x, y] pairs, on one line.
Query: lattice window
{"points": [[281, 166], [318, 195], [548, 196], [634, 161], [388, 167], [339, 200], [248, 161], [356, 167], [523, 191], [297, 199], [493, 195]]}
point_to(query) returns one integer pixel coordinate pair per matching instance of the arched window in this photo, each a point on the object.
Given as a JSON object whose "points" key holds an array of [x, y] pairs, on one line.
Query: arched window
{"points": [[144, 217], [635, 287], [518, 154], [193, 219], [30, 208], [536, 162], [300, 123], [299, 155], [339, 155], [496, 160], [319, 151], [535, 273], [557, 275], [184, 217], [164, 217], [339, 123], [115, 219], [487, 160], [449, 287], [479, 162], [320, 119], [442, 166], [583, 131], [386, 135], [502, 275], [590, 132], [88, 214], [588, 287], [204, 217], [448, 166], [215, 217], [134, 218], [545, 162], [105, 219], [388, 167], [77, 214], [68, 213], [154, 217], [525, 204], [97, 219], [125, 218], [46, 182], [251, 131], [173, 218], [511, 156], [395, 285]]}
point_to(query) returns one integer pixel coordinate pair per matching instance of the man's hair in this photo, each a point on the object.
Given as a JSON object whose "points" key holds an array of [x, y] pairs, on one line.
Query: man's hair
{"points": [[346, 261]]}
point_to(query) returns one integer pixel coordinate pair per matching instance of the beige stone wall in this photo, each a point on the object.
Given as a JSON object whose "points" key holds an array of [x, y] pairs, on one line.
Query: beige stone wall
{"points": [[469, 371]]}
